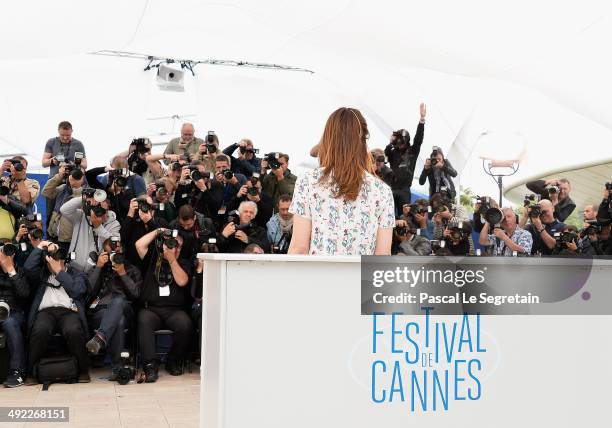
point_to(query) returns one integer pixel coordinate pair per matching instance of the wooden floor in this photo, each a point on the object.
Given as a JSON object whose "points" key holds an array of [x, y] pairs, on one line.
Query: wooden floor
{"points": [[173, 401]]}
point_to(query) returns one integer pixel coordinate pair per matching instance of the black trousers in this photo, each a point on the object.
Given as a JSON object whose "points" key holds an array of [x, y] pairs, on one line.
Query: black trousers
{"points": [[174, 319], [68, 324]]}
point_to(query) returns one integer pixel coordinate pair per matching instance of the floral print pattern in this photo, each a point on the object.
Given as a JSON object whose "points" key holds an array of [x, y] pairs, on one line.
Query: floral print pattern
{"points": [[341, 227]]}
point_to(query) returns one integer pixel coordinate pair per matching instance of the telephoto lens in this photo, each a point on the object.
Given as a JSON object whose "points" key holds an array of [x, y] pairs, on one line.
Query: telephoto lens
{"points": [[5, 310]]}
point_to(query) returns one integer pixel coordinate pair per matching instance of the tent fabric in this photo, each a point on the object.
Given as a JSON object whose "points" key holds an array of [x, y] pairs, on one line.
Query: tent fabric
{"points": [[529, 69]]}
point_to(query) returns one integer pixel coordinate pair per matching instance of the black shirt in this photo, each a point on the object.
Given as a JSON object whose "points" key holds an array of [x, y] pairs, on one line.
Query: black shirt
{"points": [[538, 244], [159, 273]]}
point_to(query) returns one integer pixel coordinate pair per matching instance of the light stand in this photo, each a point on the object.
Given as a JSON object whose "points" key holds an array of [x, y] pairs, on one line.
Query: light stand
{"points": [[494, 164]]}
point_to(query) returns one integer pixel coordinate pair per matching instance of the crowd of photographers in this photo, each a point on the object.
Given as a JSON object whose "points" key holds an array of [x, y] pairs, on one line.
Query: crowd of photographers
{"points": [[121, 240]]}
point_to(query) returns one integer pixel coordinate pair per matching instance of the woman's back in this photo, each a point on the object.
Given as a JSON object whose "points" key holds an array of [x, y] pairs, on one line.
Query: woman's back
{"points": [[339, 226]]}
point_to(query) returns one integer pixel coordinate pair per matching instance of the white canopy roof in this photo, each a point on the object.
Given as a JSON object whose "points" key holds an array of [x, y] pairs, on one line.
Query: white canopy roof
{"points": [[535, 74]]}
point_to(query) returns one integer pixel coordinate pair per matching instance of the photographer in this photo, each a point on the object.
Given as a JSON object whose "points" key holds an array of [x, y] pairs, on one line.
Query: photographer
{"points": [[557, 190], [161, 192], [140, 220], [246, 163], [93, 224], [280, 226], [418, 215], [194, 228], [543, 226], [506, 237], [120, 184], [409, 242], [440, 173], [194, 179], [280, 181], [458, 239], [589, 243], [567, 242], [62, 148], [61, 188], [24, 189], [14, 291], [164, 300], [10, 210], [382, 170], [251, 191], [240, 231], [446, 212], [58, 305], [604, 211], [215, 196], [113, 284], [186, 145], [402, 159], [482, 204], [208, 152], [29, 236]]}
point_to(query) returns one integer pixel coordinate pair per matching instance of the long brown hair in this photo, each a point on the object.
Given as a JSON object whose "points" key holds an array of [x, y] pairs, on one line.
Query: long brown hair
{"points": [[343, 152]]}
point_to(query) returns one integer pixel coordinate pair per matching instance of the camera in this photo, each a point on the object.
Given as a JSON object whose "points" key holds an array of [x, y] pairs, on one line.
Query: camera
{"points": [[228, 174], [78, 158], [243, 226], [144, 205], [380, 159], [126, 371], [116, 258], [608, 186], [16, 164], [8, 249], [58, 254], [60, 157], [118, 177], [531, 201], [5, 310], [160, 190], [115, 241], [210, 140], [402, 137], [272, 159], [437, 244], [494, 216], [458, 230], [552, 190], [194, 173], [593, 228], [563, 238], [485, 204], [176, 166], [4, 189], [434, 156], [167, 237], [75, 173], [245, 150], [139, 146], [33, 230]]}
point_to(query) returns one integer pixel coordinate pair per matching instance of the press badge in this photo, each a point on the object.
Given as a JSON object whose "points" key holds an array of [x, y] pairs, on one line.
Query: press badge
{"points": [[23, 246], [94, 303], [164, 291], [222, 210]]}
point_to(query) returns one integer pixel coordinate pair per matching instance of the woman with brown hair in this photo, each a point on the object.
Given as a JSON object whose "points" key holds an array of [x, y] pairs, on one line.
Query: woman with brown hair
{"points": [[342, 208]]}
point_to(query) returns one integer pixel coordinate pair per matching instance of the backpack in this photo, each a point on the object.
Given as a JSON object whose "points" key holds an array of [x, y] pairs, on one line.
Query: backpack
{"points": [[63, 369]]}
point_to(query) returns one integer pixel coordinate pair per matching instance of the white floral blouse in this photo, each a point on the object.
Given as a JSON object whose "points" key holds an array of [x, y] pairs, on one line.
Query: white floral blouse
{"points": [[340, 227]]}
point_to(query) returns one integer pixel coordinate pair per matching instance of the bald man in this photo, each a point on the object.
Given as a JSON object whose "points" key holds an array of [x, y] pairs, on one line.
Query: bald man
{"points": [[542, 227], [188, 144]]}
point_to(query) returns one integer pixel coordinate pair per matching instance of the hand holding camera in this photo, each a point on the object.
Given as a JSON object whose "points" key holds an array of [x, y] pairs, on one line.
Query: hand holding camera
{"points": [[55, 266], [102, 260], [240, 235], [229, 230]]}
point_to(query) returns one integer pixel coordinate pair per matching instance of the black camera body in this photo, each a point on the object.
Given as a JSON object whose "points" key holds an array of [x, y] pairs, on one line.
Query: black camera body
{"points": [[402, 137], [434, 156], [531, 201], [28, 221], [485, 204], [167, 237], [8, 249], [563, 238], [126, 371], [228, 174], [593, 228], [17, 164], [118, 176], [243, 227], [272, 159]]}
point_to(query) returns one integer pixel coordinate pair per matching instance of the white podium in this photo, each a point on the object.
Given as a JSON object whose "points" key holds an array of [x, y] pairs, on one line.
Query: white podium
{"points": [[284, 345]]}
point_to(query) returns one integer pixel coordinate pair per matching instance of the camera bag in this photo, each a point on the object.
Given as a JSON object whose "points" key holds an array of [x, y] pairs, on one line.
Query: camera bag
{"points": [[62, 369]]}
